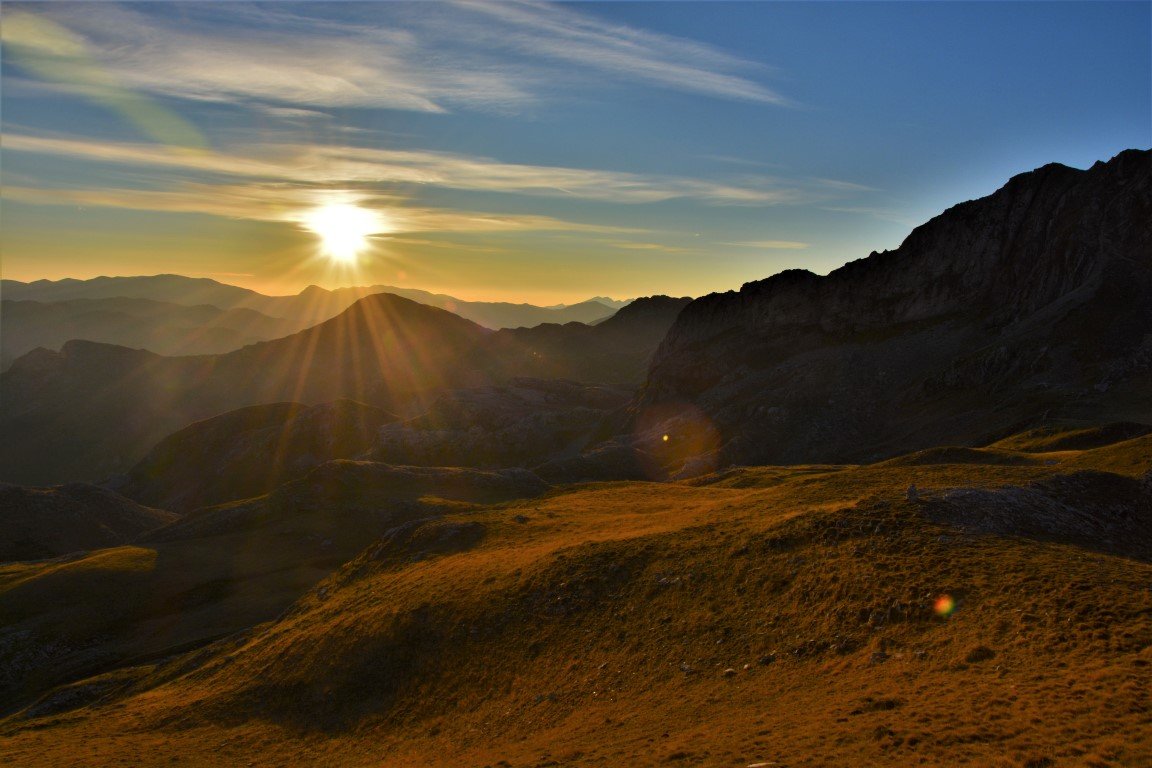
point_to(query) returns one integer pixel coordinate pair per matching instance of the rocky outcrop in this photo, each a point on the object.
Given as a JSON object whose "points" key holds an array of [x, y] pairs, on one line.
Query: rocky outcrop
{"points": [[1096, 510], [1033, 301], [38, 523]]}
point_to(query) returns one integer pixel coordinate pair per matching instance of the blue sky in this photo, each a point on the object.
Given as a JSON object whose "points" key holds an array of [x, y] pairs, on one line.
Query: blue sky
{"points": [[540, 152]]}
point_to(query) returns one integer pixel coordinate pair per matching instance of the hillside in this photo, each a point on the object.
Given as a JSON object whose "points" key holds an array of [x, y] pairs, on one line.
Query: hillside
{"points": [[249, 452], [39, 523], [613, 351], [665, 624], [315, 304], [1029, 304], [216, 571], [175, 289], [523, 422]]}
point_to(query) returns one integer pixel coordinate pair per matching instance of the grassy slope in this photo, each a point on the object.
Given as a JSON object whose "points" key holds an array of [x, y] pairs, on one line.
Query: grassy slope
{"points": [[598, 632]]}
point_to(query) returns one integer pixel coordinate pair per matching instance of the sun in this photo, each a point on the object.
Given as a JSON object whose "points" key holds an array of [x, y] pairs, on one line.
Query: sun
{"points": [[343, 229]]}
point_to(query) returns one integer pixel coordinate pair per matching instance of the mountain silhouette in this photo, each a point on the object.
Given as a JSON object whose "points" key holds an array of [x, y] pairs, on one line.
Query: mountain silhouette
{"points": [[1032, 303], [295, 312]]}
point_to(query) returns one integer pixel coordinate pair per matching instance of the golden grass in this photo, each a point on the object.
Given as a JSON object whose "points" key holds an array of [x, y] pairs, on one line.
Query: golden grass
{"points": [[596, 626]]}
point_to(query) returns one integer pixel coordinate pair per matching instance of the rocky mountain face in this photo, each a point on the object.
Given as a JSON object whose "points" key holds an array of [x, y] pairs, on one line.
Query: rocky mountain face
{"points": [[1034, 302], [38, 523]]}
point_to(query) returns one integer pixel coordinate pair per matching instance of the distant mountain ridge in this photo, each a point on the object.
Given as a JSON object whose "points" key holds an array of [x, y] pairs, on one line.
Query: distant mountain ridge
{"points": [[311, 306], [158, 326]]}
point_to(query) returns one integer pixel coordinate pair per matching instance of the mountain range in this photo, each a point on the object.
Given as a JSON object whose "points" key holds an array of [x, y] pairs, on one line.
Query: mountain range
{"points": [[177, 315], [92, 410]]}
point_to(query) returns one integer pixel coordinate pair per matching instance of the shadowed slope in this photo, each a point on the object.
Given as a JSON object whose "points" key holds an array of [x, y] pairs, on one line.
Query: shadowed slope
{"points": [[38, 523], [250, 451], [523, 422], [615, 351]]}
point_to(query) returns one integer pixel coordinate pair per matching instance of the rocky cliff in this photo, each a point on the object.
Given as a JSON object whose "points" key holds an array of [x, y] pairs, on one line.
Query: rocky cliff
{"points": [[1033, 302]]}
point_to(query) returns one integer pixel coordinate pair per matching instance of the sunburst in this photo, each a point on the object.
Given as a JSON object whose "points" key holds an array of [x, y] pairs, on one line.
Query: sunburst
{"points": [[344, 229]]}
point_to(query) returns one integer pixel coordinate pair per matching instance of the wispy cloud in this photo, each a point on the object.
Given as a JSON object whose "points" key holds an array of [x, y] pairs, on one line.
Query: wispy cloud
{"points": [[425, 57], [562, 33], [846, 186], [771, 245], [336, 165], [292, 204], [632, 245]]}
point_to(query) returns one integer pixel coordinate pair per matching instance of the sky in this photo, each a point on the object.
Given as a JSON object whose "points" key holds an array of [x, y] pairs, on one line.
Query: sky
{"points": [[531, 151]]}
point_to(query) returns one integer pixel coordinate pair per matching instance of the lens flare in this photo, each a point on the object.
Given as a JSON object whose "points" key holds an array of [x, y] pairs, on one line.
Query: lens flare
{"points": [[944, 605]]}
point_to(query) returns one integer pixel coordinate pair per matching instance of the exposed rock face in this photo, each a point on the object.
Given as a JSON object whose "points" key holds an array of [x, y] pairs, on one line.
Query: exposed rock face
{"points": [[37, 523], [1035, 300], [250, 451], [1098, 510]]}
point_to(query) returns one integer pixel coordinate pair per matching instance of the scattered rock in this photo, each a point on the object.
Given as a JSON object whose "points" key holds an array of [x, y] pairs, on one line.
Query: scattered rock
{"points": [[980, 653]]}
